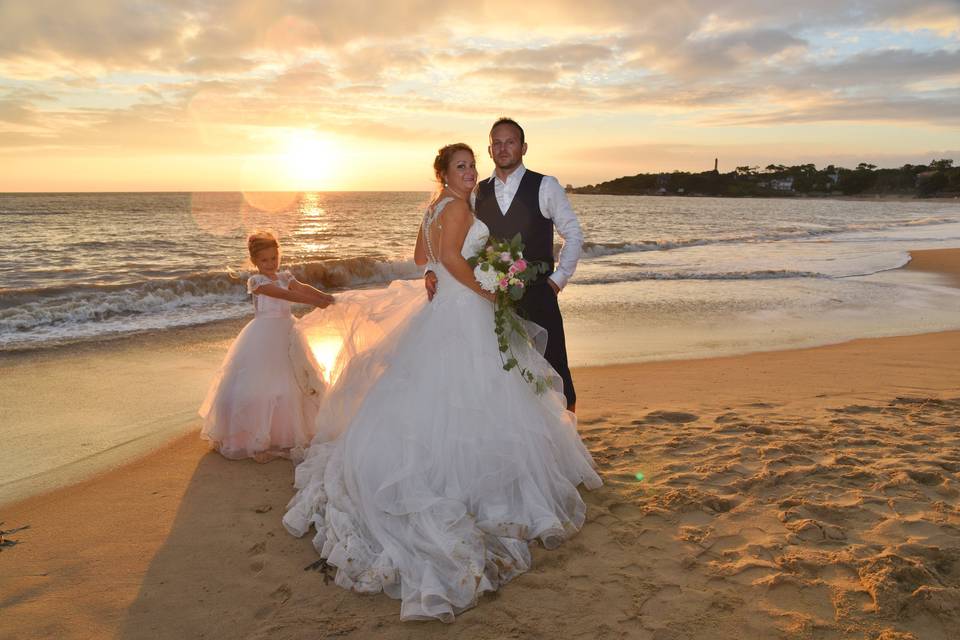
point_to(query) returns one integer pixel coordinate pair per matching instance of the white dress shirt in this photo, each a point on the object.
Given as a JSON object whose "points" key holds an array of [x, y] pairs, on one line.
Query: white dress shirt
{"points": [[554, 206]]}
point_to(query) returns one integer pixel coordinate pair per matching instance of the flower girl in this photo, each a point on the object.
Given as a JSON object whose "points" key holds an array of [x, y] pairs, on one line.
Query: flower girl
{"points": [[255, 408]]}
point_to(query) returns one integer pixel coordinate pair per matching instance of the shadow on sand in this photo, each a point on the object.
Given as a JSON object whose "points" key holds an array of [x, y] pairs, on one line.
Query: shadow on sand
{"points": [[227, 566]]}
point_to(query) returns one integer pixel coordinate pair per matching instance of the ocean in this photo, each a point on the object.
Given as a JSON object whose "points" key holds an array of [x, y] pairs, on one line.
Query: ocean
{"points": [[660, 277]]}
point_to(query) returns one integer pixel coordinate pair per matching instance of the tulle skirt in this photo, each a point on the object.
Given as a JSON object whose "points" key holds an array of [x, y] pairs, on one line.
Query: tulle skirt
{"points": [[433, 468], [255, 407]]}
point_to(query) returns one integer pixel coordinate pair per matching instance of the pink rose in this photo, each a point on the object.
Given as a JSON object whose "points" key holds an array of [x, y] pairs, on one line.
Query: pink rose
{"points": [[520, 265], [504, 283]]}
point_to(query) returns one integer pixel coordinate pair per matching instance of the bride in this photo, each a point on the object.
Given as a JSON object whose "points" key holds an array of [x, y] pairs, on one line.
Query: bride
{"points": [[433, 468]]}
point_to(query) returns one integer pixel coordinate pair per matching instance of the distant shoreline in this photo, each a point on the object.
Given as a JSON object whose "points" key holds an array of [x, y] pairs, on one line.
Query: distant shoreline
{"points": [[891, 197], [939, 178]]}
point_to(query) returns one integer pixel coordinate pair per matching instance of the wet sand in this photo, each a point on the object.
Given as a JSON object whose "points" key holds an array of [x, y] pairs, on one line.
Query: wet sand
{"points": [[942, 261]]}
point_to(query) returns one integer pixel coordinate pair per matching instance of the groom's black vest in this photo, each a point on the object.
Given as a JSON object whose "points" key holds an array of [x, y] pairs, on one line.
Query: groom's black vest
{"points": [[523, 217]]}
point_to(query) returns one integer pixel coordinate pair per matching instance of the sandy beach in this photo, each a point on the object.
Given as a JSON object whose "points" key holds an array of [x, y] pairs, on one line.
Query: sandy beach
{"points": [[809, 493]]}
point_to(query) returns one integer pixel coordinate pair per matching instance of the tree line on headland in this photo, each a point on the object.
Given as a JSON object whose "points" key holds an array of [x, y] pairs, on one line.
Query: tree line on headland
{"points": [[937, 179]]}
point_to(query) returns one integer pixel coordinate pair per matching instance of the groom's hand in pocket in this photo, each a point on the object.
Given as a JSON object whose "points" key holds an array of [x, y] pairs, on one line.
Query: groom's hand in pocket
{"points": [[430, 284]]}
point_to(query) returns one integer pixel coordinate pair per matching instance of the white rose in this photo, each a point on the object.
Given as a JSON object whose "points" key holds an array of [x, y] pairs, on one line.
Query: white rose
{"points": [[488, 279]]}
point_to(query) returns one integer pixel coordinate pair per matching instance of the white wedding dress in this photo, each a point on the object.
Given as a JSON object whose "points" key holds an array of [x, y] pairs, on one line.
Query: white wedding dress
{"points": [[433, 468]]}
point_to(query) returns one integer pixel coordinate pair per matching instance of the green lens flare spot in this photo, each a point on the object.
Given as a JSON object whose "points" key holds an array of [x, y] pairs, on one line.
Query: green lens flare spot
{"points": [[639, 476]]}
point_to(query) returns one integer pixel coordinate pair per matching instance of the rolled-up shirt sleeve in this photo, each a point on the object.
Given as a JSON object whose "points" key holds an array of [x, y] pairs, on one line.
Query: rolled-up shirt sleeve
{"points": [[555, 206]]}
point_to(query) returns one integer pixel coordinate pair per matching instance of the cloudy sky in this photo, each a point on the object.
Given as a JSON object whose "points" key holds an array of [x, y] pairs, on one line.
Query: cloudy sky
{"points": [[315, 94]]}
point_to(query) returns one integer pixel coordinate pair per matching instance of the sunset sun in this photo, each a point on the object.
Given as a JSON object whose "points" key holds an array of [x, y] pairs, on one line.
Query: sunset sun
{"points": [[307, 160]]}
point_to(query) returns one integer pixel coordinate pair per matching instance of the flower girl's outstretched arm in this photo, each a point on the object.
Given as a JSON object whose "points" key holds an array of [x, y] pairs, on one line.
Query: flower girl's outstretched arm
{"points": [[317, 298], [457, 219], [298, 292]]}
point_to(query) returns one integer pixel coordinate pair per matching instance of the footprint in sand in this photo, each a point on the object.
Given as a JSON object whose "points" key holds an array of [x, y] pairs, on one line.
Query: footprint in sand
{"points": [[626, 511], [927, 478], [727, 418], [282, 594], [258, 549], [946, 465], [582, 581], [847, 461], [857, 409], [808, 530], [667, 417], [922, 402], [893, 634], [694, 535]]}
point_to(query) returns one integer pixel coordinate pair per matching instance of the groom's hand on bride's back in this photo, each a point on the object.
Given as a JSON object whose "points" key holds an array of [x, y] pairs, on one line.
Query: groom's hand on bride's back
{"points": [[430, 284]]}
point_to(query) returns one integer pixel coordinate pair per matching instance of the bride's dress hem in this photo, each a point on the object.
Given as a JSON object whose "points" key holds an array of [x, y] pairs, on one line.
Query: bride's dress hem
{"points": [[359, 569]]}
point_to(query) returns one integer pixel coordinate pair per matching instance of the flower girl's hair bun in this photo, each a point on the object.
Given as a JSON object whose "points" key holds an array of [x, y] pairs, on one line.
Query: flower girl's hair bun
{"points": [[260, 240]]}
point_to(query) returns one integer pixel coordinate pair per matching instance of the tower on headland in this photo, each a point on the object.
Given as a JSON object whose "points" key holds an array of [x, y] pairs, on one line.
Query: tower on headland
{"points": [[716, 162]]}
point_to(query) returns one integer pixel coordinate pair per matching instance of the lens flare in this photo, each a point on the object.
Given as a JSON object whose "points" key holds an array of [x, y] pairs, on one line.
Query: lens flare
{"points": [[274, 210], [218, 214]]}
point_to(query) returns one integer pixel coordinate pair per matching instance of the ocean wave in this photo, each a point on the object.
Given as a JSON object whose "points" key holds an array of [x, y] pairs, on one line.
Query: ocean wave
{"points": [[350, 272], [124, 243], [601, 249], [10, 213], [637, 276], [793, 233], [920, 222], [40, 316]]}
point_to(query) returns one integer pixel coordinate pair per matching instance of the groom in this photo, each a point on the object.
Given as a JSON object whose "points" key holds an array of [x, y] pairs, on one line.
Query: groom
{"points": [[516, 200]]}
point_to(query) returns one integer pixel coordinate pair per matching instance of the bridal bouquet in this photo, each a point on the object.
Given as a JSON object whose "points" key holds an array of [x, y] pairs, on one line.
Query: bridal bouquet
{"points": [[501, 269]]}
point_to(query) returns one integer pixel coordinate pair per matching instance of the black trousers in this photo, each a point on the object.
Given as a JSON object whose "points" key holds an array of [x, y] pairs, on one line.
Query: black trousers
{"points": [[539, 304]]}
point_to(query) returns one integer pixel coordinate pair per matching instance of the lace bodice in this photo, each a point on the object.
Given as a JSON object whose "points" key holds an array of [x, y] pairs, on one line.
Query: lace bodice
{"points": [[265, 306], [475, 240]]}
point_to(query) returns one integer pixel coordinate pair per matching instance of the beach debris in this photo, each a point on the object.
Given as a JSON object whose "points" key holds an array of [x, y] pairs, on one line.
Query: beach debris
{"points": [[264, 508], [325, 569], [5, 542]]}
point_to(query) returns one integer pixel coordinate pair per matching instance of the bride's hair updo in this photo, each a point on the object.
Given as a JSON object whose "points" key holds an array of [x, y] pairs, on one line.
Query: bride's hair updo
{"points": [[442, 160], [260, 240]]}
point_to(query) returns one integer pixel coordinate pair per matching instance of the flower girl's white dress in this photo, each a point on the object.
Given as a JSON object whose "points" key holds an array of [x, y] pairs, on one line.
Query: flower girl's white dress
{"points": [[433, 468], [255, 408]]}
